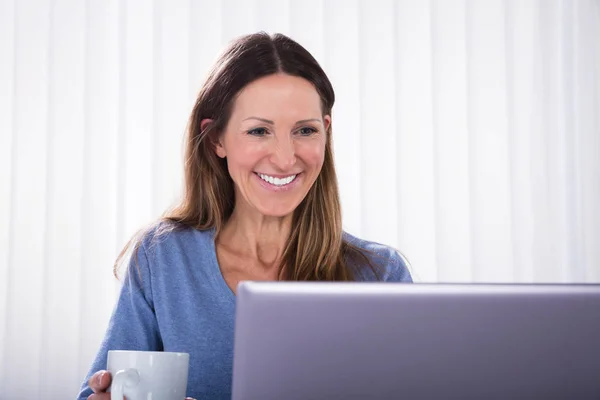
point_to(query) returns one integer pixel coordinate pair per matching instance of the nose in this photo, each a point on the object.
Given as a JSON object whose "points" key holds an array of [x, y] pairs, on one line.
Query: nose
{"points": [[284, 154]]}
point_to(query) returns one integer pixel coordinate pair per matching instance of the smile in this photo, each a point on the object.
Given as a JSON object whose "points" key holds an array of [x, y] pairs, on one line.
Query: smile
{"points": [[277, 181]]}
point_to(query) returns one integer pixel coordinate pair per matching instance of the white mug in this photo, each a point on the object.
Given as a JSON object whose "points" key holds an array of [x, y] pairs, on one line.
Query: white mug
{"points": [[148, 375]]}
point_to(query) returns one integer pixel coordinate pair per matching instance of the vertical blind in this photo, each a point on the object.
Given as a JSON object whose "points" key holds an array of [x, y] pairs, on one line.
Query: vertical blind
{"points": [[466, 135]]}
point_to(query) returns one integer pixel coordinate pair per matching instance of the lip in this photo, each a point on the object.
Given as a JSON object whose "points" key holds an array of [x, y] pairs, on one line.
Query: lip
{"points": [[273, 188]]}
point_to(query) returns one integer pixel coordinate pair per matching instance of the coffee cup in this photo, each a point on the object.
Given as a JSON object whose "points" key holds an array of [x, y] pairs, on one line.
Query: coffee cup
{"points": [[146, 375]]}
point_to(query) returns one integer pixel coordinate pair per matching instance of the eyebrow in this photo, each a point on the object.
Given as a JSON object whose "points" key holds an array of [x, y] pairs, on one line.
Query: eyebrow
{"points": [[268, 121]]}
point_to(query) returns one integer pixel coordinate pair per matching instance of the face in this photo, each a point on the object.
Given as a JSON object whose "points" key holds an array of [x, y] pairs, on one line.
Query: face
{"points": [[274, 143]]}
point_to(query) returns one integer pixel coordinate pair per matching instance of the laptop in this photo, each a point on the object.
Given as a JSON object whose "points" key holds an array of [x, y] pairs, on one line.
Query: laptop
{"points": [[301, 340]]}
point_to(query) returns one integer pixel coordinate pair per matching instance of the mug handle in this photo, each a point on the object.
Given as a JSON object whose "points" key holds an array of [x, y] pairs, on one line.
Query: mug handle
{"points": [[123, 378]]}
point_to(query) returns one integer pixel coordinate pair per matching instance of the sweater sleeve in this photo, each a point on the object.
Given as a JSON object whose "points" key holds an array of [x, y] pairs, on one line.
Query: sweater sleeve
{"points": [[133, 324]]}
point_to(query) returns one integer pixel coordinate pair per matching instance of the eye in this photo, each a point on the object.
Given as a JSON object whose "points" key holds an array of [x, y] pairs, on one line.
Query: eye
{"points": [[306, 131], [257, 132]]}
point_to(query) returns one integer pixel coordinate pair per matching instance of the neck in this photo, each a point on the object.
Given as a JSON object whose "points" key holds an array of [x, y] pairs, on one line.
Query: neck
{"points": [[256, 236]]}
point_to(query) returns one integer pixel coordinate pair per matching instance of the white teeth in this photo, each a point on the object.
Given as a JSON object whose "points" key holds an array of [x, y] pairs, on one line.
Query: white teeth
{"points": [[277, 181]]}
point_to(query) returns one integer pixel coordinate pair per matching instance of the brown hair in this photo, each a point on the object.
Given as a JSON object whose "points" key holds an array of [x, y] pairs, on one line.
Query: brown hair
{"points": [[316, 249]]}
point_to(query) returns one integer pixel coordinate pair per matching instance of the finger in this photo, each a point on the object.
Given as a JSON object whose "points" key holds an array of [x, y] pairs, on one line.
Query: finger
{"points": [[99, 396], [100, 381]]}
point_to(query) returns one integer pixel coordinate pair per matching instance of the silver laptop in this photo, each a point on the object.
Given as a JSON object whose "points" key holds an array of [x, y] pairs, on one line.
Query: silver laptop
{"points": [[416, 341]]}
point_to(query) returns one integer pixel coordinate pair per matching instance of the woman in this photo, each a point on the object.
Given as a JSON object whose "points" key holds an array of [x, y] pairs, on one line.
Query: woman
{"points": [[261, 203]]}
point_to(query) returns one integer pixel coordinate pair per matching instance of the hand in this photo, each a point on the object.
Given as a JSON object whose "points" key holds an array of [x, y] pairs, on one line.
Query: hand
{"points": [[100, 382]]}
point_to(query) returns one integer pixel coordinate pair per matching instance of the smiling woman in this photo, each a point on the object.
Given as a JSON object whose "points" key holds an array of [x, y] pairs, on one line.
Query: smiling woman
{"points": [[261, 202]]}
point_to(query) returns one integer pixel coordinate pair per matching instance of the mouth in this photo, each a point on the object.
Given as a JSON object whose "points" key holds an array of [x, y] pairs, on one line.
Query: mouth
{"points": [[278, 181]]}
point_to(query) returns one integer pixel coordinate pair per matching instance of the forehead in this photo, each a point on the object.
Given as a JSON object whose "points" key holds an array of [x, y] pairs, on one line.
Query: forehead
{"points": [[278, 95]]}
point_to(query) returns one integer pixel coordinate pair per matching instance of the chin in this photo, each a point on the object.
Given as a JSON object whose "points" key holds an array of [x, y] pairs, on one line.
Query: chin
{"points": [[277, 211]]}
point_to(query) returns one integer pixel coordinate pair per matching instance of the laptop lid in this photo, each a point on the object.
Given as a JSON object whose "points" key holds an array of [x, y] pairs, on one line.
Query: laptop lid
{"points": [[416, 341]]}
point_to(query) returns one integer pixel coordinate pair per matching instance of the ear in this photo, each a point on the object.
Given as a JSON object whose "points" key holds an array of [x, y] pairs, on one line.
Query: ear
{"points": [[216, 142], [327, 122]]}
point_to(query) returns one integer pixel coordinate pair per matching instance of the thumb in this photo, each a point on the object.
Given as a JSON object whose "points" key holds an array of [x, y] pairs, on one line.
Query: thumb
{"points": [[100, 381]]}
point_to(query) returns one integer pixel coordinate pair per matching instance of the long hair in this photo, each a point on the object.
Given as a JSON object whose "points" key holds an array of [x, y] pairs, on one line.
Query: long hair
{"points": [[315, 249]]}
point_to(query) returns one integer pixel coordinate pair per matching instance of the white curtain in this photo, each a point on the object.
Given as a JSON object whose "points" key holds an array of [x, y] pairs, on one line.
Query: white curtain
{"points": [[466, 134]]}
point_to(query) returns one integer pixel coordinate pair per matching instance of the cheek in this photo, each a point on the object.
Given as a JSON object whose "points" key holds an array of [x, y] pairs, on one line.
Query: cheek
{"points": [[244, 156], [312, 153]]}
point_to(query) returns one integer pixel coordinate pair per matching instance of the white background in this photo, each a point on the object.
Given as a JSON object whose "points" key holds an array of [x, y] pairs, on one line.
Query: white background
{"points": [[466, 135]]}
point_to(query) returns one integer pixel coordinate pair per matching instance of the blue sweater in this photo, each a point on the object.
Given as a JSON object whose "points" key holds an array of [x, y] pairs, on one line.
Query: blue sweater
{"points": [[179, 301]]}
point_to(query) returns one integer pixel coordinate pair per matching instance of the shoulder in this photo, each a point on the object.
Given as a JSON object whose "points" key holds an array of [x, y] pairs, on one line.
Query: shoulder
{"points": [[170, 238], [165, 247], [387, 263]]}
